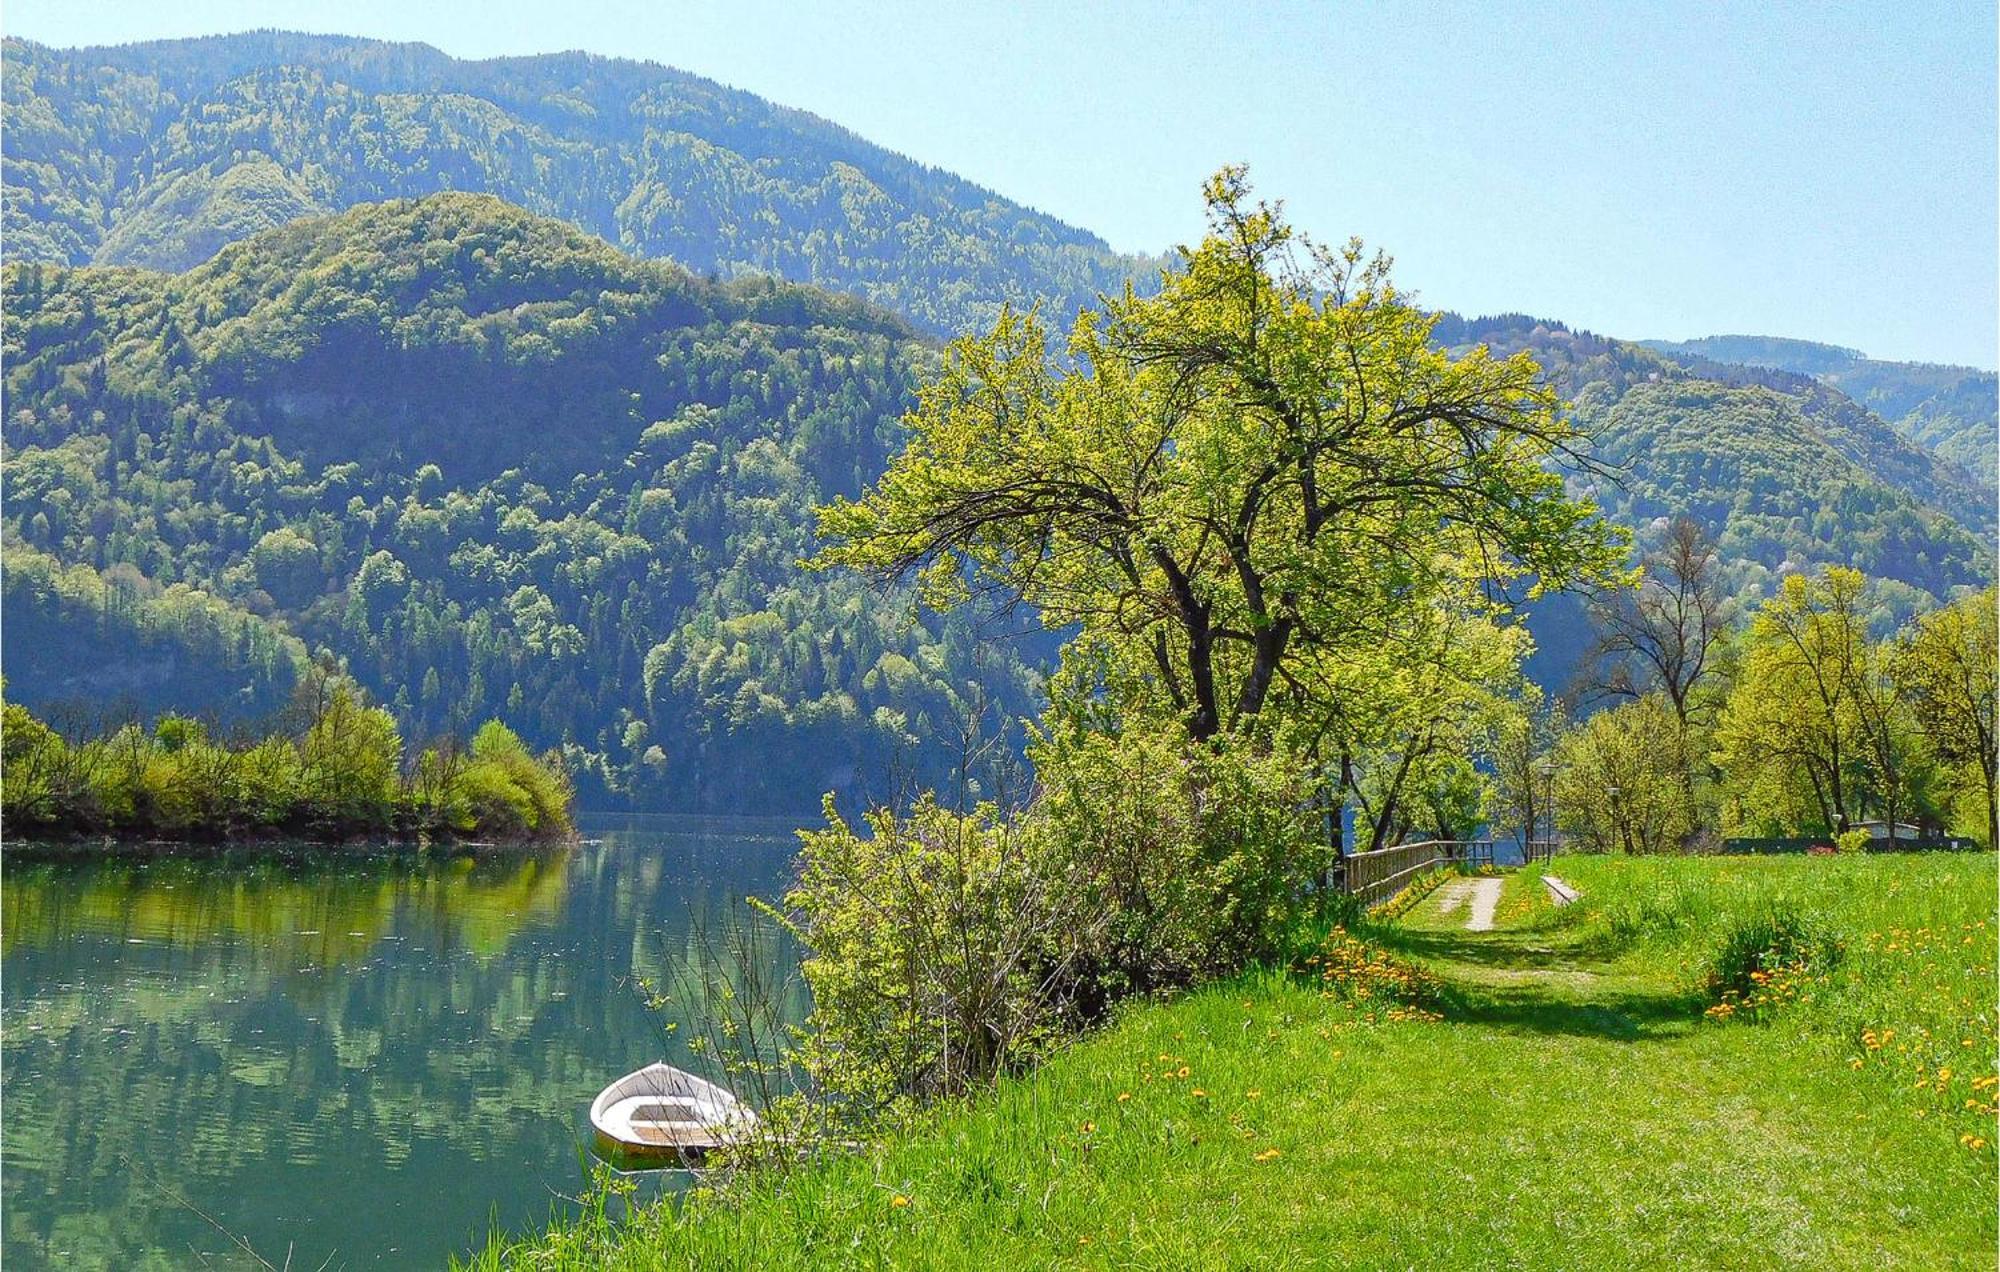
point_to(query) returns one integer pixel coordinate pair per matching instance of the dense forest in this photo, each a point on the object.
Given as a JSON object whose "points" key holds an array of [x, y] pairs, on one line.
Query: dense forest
{"points": [[501, 469], [1954, 411], [1783, 472], [158, 154]]}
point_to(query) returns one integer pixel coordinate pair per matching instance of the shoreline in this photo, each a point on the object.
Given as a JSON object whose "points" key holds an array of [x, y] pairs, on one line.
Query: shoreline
{"points": [[112, 843]]}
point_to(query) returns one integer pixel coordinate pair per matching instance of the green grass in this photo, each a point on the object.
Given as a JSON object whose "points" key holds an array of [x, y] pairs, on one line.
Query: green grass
{"points": [[1574, 1107]]}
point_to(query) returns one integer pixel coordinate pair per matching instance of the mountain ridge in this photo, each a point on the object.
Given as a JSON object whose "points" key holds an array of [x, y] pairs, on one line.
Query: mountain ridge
{"points": [[656, 160], [1951, 410]]}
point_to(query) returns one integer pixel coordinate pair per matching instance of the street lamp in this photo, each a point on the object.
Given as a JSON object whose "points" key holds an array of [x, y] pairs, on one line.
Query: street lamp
{"points": [[1547, 769]]}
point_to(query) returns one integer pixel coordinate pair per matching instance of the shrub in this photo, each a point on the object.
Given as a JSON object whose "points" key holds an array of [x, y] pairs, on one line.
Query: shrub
{"points": [[1200, 860], [521, 793], [1776, 942], [938, 950], [946, 948], [1852, 841]]}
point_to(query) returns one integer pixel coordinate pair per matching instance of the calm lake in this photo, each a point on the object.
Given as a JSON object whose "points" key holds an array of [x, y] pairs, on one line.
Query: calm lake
{"points": [[368, 1058]]}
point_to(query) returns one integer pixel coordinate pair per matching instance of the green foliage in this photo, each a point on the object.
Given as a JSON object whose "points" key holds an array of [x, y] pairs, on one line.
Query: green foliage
{"points": [[1624, 780], [1947, 664], [1197, 861], [938, 945], [118, 643], [1948, 410], [1816, 729], [496, 467], [948, 948], [340, 776], [1237, 489], [1783, 472], [250, 131]]}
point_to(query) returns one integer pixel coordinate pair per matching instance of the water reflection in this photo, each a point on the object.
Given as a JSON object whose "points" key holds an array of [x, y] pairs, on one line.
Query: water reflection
{"points": [[374, 1058]]}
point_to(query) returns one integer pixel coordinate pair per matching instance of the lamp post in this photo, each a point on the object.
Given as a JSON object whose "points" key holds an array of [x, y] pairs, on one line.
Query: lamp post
{"points": [[1547, 769]]}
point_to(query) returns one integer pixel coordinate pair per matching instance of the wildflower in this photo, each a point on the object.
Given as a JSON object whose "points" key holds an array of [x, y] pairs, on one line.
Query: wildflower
{"points": [[1268, 1155], [1252, 1094], [1088, 1128], [1124, 1096], [899, 1201], [1200, 1094], [1184, 1072]]}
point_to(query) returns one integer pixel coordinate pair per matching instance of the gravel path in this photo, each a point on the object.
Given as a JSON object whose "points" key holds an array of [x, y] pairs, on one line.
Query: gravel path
{"points": [[1485, 896]]}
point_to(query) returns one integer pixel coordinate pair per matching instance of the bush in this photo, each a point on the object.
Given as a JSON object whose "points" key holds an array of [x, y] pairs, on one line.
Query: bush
{"points": [[947, 948], [1774, 941], [940, 945], [1201, 861]]}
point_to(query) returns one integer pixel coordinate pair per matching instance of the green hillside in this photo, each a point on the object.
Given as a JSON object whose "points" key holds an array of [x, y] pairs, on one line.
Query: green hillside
{"points": [[503, 469], [157, 154], [1785, 472], [95, 648], [1952, 411]]}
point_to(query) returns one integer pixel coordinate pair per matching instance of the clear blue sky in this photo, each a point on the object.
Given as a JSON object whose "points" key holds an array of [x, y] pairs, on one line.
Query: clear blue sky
{"points": [[1676, 169]]}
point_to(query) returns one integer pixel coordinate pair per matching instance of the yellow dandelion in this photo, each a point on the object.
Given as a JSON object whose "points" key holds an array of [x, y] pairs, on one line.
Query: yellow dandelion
{"points": [[1124, 1096], [899, 1201], [1269, 1155]]}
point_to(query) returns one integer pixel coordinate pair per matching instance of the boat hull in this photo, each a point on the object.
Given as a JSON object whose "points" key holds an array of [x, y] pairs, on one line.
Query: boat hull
{"points": [[661, 1117]]}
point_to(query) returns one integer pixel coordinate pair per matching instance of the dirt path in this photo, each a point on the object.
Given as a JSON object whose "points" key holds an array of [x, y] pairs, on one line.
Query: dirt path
{"points": [[1485, 896]]}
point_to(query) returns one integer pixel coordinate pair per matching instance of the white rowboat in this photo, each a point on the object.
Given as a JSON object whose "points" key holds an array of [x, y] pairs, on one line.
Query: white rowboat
{"points": [[660, 1115]]}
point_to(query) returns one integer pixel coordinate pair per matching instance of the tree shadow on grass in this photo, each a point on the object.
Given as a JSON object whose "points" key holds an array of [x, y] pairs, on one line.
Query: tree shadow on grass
{"points": [[1540, 982], [1618, 1016], [1511, 951]]}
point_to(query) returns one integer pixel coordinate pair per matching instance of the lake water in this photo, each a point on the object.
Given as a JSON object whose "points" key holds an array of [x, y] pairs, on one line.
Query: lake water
{"points": [[372, 1058]]}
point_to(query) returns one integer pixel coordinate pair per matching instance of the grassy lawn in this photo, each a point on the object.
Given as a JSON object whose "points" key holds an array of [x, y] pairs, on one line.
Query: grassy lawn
{"points": [[1574, 1104]]}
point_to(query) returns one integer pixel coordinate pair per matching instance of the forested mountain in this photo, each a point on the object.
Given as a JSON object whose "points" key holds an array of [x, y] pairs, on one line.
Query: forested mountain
{"points": [[114, 646], [501, 467], [1953, 411], [156, 154], [1784, 471], [503, 470]]}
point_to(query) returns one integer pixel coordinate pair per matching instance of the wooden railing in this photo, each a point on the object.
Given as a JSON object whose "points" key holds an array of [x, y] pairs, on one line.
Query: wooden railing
{"points": [[1378, 875], [1537, 850]]}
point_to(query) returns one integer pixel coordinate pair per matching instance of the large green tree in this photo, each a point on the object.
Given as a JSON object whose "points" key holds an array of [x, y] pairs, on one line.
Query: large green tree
{"points": [[1948, 663], [1231, 485]]}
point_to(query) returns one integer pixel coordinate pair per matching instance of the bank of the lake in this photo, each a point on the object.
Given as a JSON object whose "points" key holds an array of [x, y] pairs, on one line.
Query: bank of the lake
{"points": [[335, 772], [1568, 1100], [371, 1057]]}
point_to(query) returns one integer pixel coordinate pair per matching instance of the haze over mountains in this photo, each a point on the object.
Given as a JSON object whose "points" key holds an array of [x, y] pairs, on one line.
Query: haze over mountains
{"points": [[428, 395]]}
